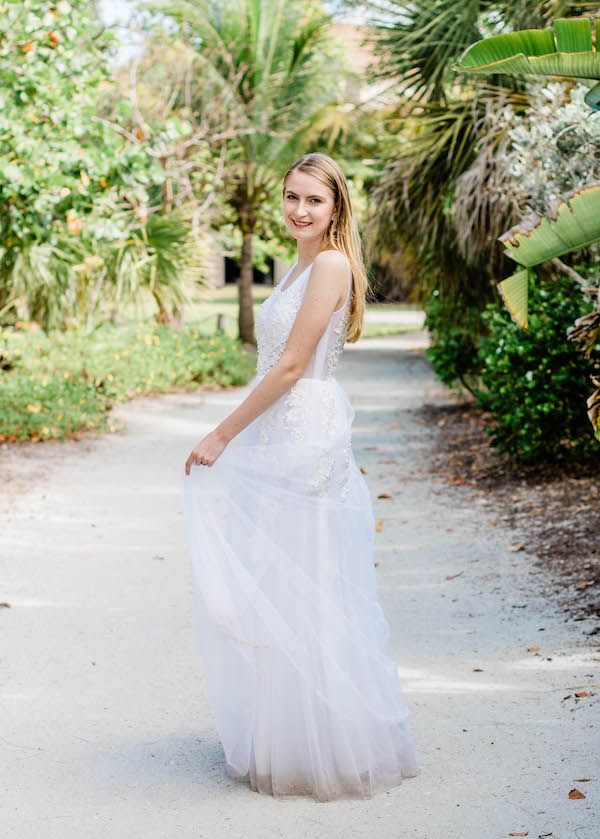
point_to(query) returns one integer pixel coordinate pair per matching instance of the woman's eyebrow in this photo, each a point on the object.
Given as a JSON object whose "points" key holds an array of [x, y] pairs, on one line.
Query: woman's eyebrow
{"points": [[309, 196]]}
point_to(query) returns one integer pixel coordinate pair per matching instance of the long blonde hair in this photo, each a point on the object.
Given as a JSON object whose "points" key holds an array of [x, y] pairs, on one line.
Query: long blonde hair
{"points": [[342, 233]]}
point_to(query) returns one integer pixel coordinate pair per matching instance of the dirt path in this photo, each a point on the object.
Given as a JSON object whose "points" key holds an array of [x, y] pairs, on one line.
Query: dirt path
{"points": [[106, 731]]}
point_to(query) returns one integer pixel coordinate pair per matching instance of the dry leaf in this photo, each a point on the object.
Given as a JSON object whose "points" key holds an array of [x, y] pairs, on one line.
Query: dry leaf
{"points": [[519, 834], [378, 525], [384, 495], [363, 470], [533, 649], [452, 576], [582, 693], [585, 584], [493, 522], [478, 670], [575, 793], [515, 548]]}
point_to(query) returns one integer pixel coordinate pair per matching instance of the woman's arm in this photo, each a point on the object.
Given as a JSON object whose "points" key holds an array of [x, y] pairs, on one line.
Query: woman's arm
{"points": [[327, 282]]}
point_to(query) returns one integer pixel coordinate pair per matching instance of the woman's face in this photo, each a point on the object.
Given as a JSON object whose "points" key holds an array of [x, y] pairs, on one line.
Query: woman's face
{"points": [[307, 206]]}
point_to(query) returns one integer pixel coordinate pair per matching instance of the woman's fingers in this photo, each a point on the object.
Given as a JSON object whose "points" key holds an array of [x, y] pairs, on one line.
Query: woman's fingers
{"points": [[194, 457], [205, 453]]}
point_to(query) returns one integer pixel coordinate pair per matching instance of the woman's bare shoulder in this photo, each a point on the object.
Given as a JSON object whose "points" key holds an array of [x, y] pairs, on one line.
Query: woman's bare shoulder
{"points": [[332, 258]]}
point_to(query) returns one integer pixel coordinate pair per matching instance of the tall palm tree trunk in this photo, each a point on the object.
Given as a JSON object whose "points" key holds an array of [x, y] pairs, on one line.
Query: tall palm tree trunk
{"points": [[245, 311]]}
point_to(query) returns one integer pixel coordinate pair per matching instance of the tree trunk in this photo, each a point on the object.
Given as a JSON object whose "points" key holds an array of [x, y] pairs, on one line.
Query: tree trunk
{"points": [[245, 311]]}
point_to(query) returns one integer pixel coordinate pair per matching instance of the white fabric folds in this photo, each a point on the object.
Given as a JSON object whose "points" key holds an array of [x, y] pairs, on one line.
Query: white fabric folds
{"points": [[280, 532]]}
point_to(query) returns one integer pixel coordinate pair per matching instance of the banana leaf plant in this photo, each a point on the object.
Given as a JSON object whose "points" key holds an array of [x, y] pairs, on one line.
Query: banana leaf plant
{"points": [[568, 50], [572, 223]]}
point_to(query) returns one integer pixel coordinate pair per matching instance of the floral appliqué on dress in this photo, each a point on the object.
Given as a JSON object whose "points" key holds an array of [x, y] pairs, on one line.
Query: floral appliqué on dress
{"points": [[274, 321]]}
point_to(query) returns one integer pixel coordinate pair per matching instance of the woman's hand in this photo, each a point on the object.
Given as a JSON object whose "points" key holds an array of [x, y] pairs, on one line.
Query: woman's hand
{"points": [[207, 450]]}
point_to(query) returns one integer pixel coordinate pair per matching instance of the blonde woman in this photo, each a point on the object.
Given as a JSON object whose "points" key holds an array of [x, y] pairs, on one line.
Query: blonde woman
{"points": [[280, 530]]}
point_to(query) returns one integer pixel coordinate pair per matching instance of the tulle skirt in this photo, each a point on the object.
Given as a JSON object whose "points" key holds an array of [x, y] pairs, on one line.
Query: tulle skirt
{"points": [[280, 532]]}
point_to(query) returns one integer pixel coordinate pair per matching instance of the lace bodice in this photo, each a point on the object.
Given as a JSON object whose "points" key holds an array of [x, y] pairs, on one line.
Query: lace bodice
{"points": [[275, 318]]}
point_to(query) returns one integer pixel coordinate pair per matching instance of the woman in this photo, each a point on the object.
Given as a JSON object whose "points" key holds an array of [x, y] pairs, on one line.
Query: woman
{"points": [[280, 533]]}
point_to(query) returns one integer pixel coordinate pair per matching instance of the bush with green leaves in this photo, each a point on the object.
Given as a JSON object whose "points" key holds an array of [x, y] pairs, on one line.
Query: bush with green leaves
{"points": [[52, 386], [534, 381], [455, 335], [83, 228]]}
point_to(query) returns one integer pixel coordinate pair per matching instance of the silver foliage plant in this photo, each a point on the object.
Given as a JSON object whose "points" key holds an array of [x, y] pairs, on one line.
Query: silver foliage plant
{"points": [[553, 147]]}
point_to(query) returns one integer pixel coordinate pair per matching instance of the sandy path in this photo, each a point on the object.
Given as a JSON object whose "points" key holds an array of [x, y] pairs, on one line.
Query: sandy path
{"points": [[105, 726]]}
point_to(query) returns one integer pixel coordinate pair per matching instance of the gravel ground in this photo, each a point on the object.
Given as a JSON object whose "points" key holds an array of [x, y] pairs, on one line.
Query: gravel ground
{"points": [[106, 728]]}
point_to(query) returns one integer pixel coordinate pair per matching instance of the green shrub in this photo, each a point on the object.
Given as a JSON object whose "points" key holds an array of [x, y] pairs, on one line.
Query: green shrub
{"points": [[53, 385], [535, 382], [455, 334]]}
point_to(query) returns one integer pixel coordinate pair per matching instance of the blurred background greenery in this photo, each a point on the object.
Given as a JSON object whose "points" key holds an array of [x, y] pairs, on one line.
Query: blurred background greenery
{"points": [[142, 147]]}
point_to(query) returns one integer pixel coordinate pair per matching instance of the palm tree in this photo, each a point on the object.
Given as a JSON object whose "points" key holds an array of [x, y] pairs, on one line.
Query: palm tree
{"points": [[280, 56], [435, 183]]}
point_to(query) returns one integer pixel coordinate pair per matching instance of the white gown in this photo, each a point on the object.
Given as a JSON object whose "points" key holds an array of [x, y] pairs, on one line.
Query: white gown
{"points": [[280, 532]]}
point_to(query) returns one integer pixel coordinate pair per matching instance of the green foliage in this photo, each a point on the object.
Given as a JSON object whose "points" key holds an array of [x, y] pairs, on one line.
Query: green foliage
{"points": [[455, 335], [53, 386], [534, 382], [554, 146], [79, 199]]}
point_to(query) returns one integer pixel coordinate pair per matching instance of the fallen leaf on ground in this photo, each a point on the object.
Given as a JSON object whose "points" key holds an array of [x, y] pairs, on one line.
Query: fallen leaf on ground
{"points": [[384, 495], [515, 548], [533, 649], [478, 670], [575, 793], [452, 576], [378, 526]]}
